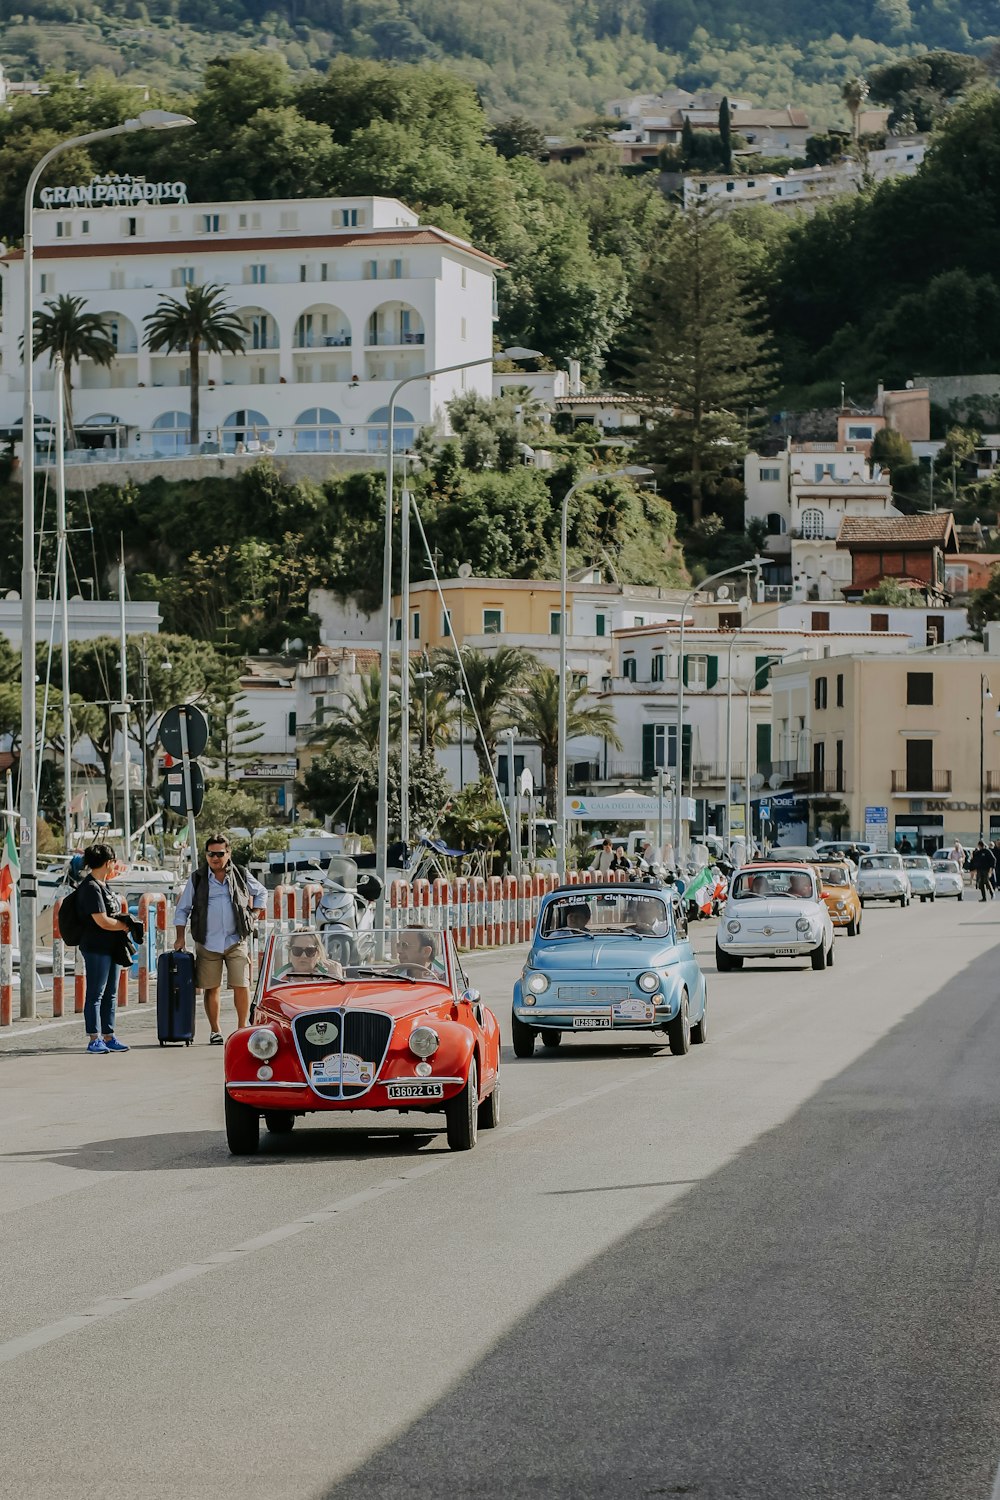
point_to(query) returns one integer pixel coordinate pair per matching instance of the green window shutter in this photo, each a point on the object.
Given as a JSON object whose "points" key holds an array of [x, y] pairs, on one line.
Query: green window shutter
{"points": [[713, 672], [685, 671], [648, 749], [762, 675], [686, 752], [763, 745]]}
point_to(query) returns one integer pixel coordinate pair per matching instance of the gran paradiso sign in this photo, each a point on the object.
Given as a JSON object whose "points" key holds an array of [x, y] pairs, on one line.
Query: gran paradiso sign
{"points": [[113, 191]]}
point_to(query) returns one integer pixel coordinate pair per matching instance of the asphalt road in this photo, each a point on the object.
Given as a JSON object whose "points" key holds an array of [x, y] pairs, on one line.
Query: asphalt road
{"points": [[768, 1269]]}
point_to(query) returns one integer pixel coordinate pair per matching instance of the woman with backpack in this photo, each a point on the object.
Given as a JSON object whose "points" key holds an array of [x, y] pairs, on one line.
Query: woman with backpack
{"points": [[103, 923]]}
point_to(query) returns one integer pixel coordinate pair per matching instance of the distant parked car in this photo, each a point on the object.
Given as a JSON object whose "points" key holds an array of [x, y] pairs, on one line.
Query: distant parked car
{"points": [[833, 848], [948, 879], [921, 873]]}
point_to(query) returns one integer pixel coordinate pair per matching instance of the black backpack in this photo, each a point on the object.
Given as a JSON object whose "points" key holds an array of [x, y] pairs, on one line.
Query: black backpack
{"points": [[71, 919]]}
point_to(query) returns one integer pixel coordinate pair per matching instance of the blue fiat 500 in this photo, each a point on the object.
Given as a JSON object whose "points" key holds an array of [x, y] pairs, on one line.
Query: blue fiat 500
{"points": [[610, 958]]}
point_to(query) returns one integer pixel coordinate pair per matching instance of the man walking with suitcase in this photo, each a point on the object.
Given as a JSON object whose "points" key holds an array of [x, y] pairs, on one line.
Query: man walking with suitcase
{"points": [[221, 901]]}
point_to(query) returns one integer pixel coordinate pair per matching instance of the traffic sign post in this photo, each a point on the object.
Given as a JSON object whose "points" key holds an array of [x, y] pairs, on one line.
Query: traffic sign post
{"points": [[184, 733]]}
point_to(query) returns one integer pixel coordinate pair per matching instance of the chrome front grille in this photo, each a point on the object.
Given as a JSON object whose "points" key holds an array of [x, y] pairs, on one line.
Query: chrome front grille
{"points": [[581, 994], [360, 1033]]}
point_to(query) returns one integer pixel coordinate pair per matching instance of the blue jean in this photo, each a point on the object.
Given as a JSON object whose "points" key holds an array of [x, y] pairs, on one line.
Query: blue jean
{"points": [[102, 992]]}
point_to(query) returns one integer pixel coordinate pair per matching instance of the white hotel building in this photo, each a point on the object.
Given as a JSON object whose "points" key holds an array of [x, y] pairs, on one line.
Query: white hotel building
{"points": [[340, 297]]}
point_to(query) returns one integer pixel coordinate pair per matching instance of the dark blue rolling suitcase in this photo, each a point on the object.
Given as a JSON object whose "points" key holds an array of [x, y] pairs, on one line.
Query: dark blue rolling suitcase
{"points": [[175, 998]]}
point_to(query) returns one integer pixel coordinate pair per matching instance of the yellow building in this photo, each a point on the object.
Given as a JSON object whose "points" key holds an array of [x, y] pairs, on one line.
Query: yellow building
{"points": [[894, 732]]}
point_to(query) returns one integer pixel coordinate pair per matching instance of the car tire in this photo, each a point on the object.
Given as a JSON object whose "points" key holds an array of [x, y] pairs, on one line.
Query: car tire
{"points": [[242, 1127], [829, 957], [679, 1029], [551, 1039], [489, 1110], [861, 899], [462, 1113], [279, 1121], [523, 1038], [853, 928], [699, 1031], [818, 957], [727, 963]]}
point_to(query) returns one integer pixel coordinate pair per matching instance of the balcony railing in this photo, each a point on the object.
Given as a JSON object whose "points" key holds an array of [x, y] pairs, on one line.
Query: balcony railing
{"points": [[825, 783], [921, 783], [993, 781], [391, 338], [324, 341]]}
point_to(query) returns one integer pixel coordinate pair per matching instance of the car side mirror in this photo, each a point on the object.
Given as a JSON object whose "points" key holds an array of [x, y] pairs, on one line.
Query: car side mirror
{"points": [[474, 997]]}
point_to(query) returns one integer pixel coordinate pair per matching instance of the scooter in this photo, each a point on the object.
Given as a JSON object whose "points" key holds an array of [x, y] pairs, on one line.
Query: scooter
{"points": [[347, 906]]}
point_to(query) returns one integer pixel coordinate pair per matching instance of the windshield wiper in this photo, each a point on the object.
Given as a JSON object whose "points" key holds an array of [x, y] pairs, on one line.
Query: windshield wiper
{"points": [[570, 932]]}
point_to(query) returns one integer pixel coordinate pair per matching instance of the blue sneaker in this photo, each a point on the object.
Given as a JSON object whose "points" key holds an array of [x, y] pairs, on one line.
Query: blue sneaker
{"points": [[112, 1044], [97, 1045]]}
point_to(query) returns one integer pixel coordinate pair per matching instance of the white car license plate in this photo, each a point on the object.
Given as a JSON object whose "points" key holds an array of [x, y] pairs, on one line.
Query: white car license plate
{"points": [[591, 1023], [415, 1090], [784, 952]]}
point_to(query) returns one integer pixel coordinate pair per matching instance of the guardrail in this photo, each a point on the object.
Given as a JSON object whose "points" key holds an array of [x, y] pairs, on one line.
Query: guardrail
{"points": [[484, 912]]}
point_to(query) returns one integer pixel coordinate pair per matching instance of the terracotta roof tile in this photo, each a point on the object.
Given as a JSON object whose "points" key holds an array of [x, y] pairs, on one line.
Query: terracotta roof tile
{"points": [[875, 531]]}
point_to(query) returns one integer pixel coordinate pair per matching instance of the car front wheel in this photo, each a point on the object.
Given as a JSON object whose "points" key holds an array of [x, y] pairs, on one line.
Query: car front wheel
{"points": [[726, 962], [242, 1127], [679, 1029], [462, 1114], [523, 1038], [699, 1032], [829, 957], [818, 957]]}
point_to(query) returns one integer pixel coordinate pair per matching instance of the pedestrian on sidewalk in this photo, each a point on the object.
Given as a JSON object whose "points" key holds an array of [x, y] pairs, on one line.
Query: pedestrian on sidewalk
{"points": [[982, 865], [104, 928], [221, 901], [603, 860]]}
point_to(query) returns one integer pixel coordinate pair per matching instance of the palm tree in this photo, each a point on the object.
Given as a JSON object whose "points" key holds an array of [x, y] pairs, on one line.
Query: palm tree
{"points": [[494, 678], [63, 328], [198, 322], [431, 709], [538, 718], [854, 93], [357, 723]]}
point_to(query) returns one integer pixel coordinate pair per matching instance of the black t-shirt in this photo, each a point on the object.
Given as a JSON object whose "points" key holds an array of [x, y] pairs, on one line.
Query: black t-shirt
{"points": [[93, 896]]}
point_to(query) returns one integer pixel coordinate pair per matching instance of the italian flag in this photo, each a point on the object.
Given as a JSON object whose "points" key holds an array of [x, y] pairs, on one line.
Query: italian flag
{"points": [[10, 865]]}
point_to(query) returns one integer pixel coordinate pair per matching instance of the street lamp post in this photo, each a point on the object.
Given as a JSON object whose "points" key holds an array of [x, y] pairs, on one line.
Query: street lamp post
{"points": [[984, 693], [745, 567], [751, 684], [424, 676], [150, 119], [630, 471], [382, 823], [729, 709]]}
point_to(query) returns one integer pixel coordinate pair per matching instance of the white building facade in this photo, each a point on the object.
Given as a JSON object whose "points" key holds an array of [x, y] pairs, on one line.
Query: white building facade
{"points": [[340, 299]]}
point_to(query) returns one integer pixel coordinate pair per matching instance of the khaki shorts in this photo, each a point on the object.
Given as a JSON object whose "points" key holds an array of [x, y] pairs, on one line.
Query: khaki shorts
{"points": [[208, 967]]}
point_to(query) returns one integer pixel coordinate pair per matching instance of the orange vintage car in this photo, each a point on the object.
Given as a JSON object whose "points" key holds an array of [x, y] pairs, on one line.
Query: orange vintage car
{"points": [[841, 896], [362, 1021]]}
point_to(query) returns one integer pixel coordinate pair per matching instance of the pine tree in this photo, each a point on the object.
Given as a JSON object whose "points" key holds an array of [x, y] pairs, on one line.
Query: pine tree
{"points": [[687, 142], [704, 355], [726, 135]]}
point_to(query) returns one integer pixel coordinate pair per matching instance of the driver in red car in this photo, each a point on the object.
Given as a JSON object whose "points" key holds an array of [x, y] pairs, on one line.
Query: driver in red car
{"points": [[416, 950]]}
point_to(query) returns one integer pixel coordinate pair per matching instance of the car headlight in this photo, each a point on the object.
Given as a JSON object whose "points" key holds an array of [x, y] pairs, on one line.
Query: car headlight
{"points": [[538, 983], [648, 982], [840, 905], [424, 1041], [802, 925], [262, 1044], [732, 926]]}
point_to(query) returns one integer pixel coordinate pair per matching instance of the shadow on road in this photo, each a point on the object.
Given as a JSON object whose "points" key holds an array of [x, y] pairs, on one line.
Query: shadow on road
{"points": [[182, 1150], [816, 1321]]}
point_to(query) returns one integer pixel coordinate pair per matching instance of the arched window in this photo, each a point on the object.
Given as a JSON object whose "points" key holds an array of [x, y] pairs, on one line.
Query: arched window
{"points": [[317, 430], [402, 435], [171, 431], [775, 524], [813, 524], [244, 431]]}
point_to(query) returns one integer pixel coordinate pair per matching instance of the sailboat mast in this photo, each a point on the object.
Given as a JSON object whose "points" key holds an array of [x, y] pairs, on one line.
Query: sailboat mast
{"points": [[61, 534], [123, 668]]}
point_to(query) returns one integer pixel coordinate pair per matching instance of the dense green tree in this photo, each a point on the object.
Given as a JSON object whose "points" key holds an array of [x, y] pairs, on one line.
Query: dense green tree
{"points": [[200, 320], [703, 355], [342, 784], [726, 135], [517, 136], [63, 328], [356, 724]]}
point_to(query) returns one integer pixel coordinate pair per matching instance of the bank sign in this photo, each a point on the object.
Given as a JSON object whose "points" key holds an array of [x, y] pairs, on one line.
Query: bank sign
{"points": [[113, 191]]}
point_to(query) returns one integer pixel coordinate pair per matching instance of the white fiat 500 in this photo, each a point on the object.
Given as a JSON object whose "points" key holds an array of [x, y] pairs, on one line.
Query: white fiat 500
{"points": [[774, 911], [921, 875], [882, 877], [948, 879]]}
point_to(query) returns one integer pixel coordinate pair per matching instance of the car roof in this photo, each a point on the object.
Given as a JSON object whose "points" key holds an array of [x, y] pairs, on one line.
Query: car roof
{"points": [[647, 887], [766, 867]]}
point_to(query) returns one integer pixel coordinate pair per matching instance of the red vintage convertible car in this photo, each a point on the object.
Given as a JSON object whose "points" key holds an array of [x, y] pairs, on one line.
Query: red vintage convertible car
{"points": [[363, 1021]]}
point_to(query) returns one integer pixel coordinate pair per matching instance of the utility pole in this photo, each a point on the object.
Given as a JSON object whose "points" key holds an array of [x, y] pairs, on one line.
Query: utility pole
{"points": [[62, 539], [122, 707]]}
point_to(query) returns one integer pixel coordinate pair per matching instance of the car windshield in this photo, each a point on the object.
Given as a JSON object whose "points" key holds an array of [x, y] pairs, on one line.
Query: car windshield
{"points": [[796, 884], [916, 862], [946, 867], [881, 862], [600, 913], [833, 875], [310, 957]]}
